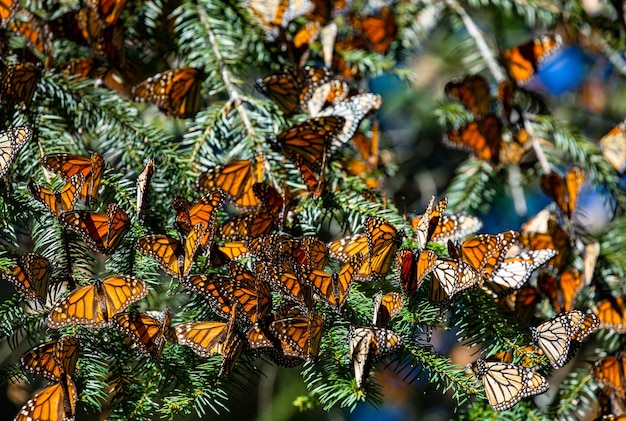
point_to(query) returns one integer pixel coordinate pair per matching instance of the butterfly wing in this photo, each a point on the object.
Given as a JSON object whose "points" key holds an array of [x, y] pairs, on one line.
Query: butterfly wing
{"points": [[31, 277], [11, 140], [52, 359], [53, 403], [118, 292]]}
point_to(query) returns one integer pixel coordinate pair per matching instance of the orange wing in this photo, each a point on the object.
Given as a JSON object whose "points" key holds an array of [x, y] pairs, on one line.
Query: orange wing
{"points": [[94, 305], [67, 166], [176, 92], [236, 180], [18, 82], [482, 138], [61, 201], [148, 333], [523, 61], [31, 276], [473, 92], [564, 191], [386, 307], [53, 403], [103, 232], [52, 359], [175, 258], [612, 314]]}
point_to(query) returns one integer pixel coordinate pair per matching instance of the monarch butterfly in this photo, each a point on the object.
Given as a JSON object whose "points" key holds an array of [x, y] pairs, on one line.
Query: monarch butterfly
{"points": [[523, 61], [33, 30], [523, 302], [299, 335], [334, 288], [247, 225], [291, 88], [308, 251], [174, 256], [103, 232], [425, 224], [272, 201], [368, 345], [148, 333], [613, 146], [53, 403], [515, 270], [353, 110], [68, 165], [95, 305], [236, 180], [386, 307], [6, 10], [59, 201], [378, 247], [176, 92], [612, 313], [18, 82], [473, 92], [544, 232], [109, 11], [377, 31], [52, 359], [202, 213], [11, 141], [289, 285], [485, 252], [31, 276], [143, 187], [331, 92], [560, 337], [449, 277], [208, 338], [610, 372], [241, 290], [482, 138], [414, 266], [506, 384], [271, 15], [564, 191], [221, 255], [562, 290]]}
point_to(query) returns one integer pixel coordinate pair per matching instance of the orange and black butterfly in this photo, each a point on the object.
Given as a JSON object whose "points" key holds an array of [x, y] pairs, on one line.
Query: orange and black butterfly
{"points": [[53, 403], [18, 82], [143, 187], [560, 337], [103, 232], [335, 287], [482, 138], [612, 314], [414, 266], [11, 141], [353, 110], [7, 7], [33, 30], [288, 284], [95, 305], [148, 333], [247, 225], [241, 290], [68, 165], [299, 335], [52, 359], [544, 232], [109, 11], [613, 146], [561, 290], [484, 252], [386, 307], [291, 88], [329, 93], [473, 92], [174, 256], [176, 92], [426, 224], [202, 213], [378, 246], [31, 276], [523, 61], [307, 252], [236, 179], [368, 345], [274, 14], [450, 277], [564, 190], [610, 372], [58, 201], [208, 338], [376, 32]]}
